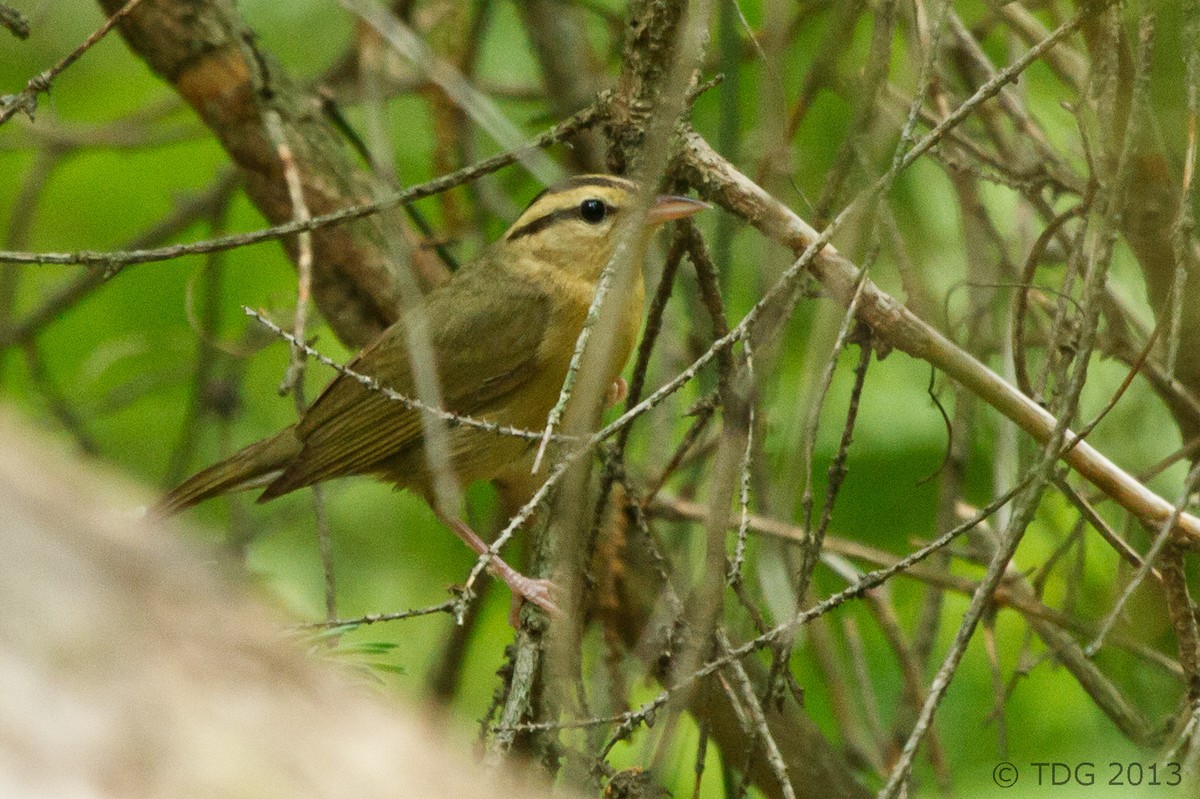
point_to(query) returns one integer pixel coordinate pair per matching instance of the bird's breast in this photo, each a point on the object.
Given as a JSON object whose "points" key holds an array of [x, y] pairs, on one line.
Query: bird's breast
{"points": [[569, 318]]}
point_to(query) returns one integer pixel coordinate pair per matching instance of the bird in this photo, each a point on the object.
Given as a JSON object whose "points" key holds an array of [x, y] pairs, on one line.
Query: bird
{"points": [[503, 330]]}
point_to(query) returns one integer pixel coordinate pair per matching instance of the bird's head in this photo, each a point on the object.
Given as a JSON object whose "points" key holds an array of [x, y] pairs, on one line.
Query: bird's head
{"points": [[575, 224]]}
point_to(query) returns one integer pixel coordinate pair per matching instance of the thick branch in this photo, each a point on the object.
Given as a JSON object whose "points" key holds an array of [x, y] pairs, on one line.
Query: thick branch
{"points": [[650, 45], [206, 53]]}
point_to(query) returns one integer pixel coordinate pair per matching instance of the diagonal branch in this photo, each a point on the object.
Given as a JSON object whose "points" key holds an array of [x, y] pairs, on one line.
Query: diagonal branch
{"points": [[718, 181]]}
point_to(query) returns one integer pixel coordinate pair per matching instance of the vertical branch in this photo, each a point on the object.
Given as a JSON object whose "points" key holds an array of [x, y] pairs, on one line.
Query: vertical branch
{"points": [[207, 355], [656, 82], [1183, 618], [569, 69], [293, 379], [16, 236], [1153, 224]]}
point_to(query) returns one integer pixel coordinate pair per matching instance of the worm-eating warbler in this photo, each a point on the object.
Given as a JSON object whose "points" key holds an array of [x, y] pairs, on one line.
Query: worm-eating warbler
{"points": [[503, 331]]}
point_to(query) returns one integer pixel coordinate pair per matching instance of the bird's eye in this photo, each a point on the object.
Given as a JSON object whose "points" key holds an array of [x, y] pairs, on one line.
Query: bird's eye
{"points": [[593, 211]]}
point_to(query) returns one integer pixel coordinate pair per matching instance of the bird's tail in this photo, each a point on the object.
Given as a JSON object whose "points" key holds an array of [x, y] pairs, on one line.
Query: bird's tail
{"points": [[253, 466]]}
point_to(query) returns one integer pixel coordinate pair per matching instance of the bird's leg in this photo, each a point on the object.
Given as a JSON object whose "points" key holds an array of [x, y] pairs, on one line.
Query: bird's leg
{"points": [[536, 590]]}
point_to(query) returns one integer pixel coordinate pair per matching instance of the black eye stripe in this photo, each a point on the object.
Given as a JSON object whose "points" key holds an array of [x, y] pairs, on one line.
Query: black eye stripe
{"points": [[543, 222], [554, 217]]}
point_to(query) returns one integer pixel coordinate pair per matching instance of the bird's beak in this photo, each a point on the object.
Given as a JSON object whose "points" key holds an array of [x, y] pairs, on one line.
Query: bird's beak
{"points": [[667, 207]]}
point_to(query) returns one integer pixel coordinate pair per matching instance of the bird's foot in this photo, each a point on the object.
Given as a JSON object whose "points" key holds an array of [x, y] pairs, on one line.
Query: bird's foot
{"points": [[532, 589], [538, 591]]}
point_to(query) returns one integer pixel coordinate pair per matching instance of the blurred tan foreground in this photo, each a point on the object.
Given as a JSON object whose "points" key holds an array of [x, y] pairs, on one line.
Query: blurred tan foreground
{"points": [[129, 668]]}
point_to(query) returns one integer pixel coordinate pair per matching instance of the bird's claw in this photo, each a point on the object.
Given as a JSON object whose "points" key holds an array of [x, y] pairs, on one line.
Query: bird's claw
{"points": [[533, 589]]}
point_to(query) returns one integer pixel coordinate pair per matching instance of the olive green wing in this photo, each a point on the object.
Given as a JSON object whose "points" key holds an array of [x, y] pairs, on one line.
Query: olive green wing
{"points": [[485, 330]]}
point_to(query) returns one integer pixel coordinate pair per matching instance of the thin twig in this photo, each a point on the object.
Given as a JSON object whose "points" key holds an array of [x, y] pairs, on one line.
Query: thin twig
{"points": [[26, 99], [304, 248], [115, 259], [345, 625], [647, 710]]}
